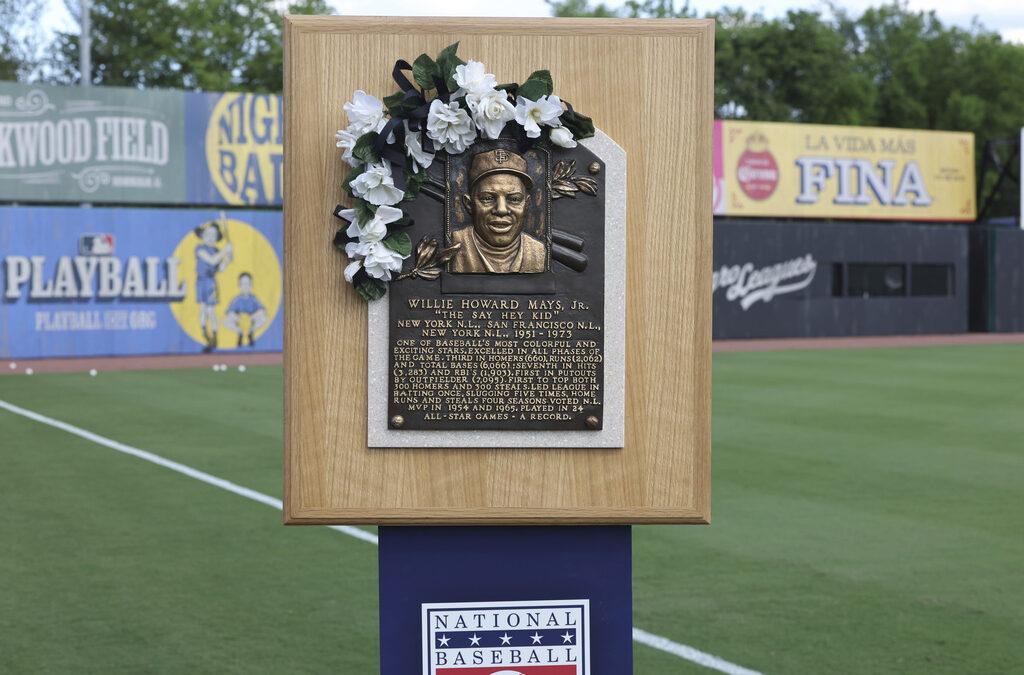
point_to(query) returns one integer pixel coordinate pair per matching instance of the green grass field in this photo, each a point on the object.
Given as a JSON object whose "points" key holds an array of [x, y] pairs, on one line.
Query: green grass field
{"points": [[868, 517]]}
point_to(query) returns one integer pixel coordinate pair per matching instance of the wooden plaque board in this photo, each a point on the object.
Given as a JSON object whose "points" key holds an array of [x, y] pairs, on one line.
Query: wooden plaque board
{"points": [[649, 86]]}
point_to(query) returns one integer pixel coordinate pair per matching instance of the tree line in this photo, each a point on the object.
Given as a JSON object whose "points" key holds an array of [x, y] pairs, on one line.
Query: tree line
{"points": [[888, 66], [203, 45]]}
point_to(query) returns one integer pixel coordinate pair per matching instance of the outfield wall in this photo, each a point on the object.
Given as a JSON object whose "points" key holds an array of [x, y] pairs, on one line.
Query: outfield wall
{"points": [[773, 277], [104, 282], [997, 279], [817, 279]]}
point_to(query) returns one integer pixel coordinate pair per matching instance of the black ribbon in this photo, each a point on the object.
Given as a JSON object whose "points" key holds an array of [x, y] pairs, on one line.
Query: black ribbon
{"points": [[441, 84], [523, 142], [394, 151], [360, 276], [407, 87], [337, 213]]}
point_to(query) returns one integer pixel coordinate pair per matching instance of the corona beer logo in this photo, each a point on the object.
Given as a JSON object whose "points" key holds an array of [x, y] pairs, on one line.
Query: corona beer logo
{"points": [[244, 148], [756, 170]]}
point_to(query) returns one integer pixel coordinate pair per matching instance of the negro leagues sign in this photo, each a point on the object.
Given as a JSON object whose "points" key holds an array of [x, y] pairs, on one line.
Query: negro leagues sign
{"points": [[507, 638], [748, 284], [508, 329]]}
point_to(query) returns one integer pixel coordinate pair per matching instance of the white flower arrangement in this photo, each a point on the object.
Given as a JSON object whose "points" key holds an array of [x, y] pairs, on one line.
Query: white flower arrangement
{"points": [[365, 113], [562, 137], [491, 111], [545, 110], [450, 126], [457, 102], [421, 159], [376, 185]]}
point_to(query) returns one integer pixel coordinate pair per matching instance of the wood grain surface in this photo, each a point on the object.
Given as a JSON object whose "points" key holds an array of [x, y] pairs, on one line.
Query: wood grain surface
{"points": [[648, 85]]}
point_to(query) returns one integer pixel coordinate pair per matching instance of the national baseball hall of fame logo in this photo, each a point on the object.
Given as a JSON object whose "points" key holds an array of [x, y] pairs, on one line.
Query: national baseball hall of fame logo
{"points": [[539, 637], [232, 278]]}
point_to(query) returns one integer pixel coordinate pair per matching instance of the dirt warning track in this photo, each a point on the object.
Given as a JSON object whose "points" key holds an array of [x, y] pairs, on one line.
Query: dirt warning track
{"points": [[109, 363]]}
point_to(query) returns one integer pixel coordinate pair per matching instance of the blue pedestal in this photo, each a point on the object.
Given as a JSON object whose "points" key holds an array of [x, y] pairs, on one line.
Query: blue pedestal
{"points": [[549, 600]]}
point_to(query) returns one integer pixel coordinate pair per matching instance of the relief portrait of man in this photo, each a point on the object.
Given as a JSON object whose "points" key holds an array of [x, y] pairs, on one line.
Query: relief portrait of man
{"points": [[499, 190]]}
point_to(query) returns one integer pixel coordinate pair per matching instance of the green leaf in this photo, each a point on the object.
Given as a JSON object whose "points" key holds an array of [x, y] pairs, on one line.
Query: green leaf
{"points": [[580, 125], [510, 87], [371, 289], [423, 71], [413, 181], [400, 243], [365, 210], [363, 149], [538, 84], [398, 105], [353, 173], [447, 61]]}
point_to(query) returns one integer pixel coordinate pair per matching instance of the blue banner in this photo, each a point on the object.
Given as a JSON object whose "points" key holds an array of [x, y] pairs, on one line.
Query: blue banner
{"points": [[111, 282], [233, 152]]}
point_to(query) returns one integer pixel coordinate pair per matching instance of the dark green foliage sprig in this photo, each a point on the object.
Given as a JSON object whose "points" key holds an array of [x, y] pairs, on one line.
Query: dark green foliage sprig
{"points": [[538, 84], [370, 288]]}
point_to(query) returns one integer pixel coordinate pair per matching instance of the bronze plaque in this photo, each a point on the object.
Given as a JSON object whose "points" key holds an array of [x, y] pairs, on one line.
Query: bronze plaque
{"points": [[511, 335]]}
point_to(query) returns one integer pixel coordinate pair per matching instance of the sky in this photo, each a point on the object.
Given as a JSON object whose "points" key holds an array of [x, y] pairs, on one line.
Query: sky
{"points": [[1005, 16]]}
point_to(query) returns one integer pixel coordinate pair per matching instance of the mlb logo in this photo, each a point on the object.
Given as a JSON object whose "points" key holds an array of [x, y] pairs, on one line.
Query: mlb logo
{"points": [[96, 244], [538, 637]]}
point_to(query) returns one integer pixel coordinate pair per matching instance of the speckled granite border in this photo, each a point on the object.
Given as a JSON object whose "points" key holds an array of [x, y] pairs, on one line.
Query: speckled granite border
{"points": [[614, 431]]}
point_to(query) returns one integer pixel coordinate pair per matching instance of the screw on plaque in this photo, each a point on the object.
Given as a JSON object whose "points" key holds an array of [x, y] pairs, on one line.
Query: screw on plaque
{"points": [[593, 421], [397, 421]]}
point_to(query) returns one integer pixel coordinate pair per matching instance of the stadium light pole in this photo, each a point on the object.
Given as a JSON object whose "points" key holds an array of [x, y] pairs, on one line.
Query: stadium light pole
{"points": [[85, 45], [85, 56]]}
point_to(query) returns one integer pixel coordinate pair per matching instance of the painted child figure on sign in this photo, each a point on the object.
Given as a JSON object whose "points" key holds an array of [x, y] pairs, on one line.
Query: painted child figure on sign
{"points": [[248, 304], [499, 190], [210, 261]]}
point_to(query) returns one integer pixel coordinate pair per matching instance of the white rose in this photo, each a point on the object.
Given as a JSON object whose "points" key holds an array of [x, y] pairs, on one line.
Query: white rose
{"points": [[472, 79], [563, 137], [531, 114], [365, 113], [374, 230], [378, 260], [382, 261], [347, 140], [376, 185], [450, 127], [414, 149], [491, 111]]}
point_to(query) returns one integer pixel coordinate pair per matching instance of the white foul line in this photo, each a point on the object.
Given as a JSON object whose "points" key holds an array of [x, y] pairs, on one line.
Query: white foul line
{"points": [[643, 637], [689, 653]]}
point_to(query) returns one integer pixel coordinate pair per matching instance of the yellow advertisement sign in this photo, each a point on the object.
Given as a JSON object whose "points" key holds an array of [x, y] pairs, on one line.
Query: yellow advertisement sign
{"points": [[824, 171]]}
